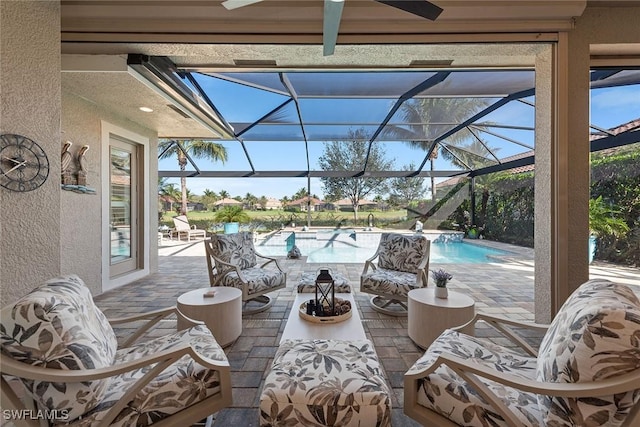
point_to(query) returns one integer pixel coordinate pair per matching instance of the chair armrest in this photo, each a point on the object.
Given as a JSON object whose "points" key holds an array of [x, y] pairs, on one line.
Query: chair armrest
{"points": [[422, 274], [467, 367], [270, 260], [226, 269], [166, 357], [504, 325], [154, 315], [422, 278], [156, 362], [153, 318], [226, 266], [423, 264], [369, 262], [470, 371]]}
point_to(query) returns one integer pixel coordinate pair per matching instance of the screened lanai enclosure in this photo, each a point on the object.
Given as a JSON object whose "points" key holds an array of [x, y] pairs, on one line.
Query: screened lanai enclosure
{"points": [[451, 131]]}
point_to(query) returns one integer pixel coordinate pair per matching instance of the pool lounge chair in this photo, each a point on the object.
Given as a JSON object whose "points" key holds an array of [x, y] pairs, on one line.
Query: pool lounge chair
{"points": [[182, 227]]}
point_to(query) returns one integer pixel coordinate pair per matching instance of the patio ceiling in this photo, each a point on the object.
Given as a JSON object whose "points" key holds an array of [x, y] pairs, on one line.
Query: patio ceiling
{"points": [[478, 120], [270, 90]]}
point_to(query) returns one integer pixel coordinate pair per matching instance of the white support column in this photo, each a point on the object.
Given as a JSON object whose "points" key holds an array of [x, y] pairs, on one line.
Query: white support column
{"points": [[561, 174], [544, 238]]}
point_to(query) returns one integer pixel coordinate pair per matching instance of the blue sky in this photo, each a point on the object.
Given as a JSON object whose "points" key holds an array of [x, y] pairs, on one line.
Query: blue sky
{"points": [[609, 107]]}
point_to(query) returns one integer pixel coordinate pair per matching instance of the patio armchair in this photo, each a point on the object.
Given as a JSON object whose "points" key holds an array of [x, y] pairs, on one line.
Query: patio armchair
{"points": [[586, 370], [403, 263], [60, 357], [233, 261], [183, 228]]}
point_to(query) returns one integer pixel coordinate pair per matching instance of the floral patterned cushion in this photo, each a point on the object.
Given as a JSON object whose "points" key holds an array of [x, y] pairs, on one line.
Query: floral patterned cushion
{"points": [[258, 279], [235, 248], [388, 282], [58, 326], [402, 253], [446, 393], [184, 383], [308, 282], [595, 336], [325, 383]]}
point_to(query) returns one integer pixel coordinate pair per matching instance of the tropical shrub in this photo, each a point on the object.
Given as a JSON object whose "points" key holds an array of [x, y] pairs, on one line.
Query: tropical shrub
{"points": [[507, 214], [231, 214], [616, 178], [605, 220]]}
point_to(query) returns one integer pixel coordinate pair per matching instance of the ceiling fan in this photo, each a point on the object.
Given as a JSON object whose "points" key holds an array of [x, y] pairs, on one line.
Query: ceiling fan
{"points": [[333, 14]]}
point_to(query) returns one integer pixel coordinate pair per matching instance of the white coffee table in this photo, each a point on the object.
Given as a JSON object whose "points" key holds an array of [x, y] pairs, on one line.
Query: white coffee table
{"points": [[429, 316], [222, 314], [297, 327]]}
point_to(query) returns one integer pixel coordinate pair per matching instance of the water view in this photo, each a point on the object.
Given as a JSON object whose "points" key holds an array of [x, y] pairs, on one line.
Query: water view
{"points": [[441, 253]]}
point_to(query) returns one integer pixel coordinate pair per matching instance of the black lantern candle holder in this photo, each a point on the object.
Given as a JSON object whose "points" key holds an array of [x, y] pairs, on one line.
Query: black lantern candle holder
{"points": [[325, 294]]}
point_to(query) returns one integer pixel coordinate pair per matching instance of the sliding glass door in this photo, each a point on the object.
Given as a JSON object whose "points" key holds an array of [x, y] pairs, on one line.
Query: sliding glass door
{"points": [[124, 209]]}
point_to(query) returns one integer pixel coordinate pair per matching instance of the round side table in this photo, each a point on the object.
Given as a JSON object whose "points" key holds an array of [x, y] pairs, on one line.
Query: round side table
{"points": [[429, 316], [222, 313]]}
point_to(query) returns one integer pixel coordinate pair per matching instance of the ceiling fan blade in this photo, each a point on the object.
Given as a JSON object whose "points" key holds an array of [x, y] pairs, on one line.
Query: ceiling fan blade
{"points": [[331, 25], [234, 4], [424, 8]]}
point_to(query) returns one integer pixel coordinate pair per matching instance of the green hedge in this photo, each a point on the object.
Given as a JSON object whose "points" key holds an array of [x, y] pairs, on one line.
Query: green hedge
{"points": [[509, 213], [505, 205], [617, 179]]}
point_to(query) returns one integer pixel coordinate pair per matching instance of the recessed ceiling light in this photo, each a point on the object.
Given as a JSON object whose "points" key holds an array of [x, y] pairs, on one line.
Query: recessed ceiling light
{"points": [[146, 109], [255, 62], [431, 63]]}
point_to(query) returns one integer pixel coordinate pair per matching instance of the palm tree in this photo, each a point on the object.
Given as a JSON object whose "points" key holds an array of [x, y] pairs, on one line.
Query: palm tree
{"points": [[168, 190], [224, 194], [197, 148], [209, 193], [209, 197], [302, 192], [250, 200], [430, 118]]}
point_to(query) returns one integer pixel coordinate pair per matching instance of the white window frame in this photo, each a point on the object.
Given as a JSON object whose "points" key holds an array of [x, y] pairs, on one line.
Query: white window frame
{"points": [[107, 130]]}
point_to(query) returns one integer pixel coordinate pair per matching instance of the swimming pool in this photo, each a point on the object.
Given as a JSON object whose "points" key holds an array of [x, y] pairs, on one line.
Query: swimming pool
{"points": [[323, 251]]}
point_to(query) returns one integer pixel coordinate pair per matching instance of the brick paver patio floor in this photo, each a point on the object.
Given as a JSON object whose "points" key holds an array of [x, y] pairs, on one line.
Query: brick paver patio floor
{"points": [[504, 288]]}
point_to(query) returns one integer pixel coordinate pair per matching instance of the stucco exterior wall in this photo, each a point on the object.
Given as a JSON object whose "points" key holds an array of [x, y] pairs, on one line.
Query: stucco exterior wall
{"points": [[595, 26], [48, 231], [608, 25], [543, 184], [81, 214], [30, 90], [562, 163]]}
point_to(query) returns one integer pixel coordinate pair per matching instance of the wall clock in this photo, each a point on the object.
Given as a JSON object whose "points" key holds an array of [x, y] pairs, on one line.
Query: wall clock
{"points": [[24, 165]]}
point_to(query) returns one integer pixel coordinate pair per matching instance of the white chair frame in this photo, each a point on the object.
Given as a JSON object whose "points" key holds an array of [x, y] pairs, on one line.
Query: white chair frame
{"points": [[470, 372], [189, 415], [381, 301], [216, 276], [182, 227]]}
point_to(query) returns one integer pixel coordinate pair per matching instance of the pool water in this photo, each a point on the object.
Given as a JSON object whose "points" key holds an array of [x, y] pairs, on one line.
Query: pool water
{"points": [[441, 253]]}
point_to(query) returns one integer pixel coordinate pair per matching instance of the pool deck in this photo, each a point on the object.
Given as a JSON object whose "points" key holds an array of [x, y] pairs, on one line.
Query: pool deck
{"points": [[504, 288]]}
